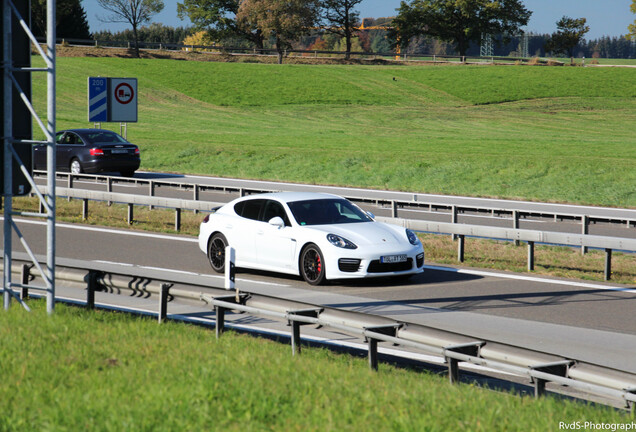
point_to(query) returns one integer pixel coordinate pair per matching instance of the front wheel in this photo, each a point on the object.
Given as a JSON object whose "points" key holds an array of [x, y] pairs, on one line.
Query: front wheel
{"points": [[312, 265], [216, 252]]}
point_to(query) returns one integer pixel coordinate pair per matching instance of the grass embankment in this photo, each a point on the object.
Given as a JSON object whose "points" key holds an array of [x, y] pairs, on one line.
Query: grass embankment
{"points": [[540, 133], [84, 370]]}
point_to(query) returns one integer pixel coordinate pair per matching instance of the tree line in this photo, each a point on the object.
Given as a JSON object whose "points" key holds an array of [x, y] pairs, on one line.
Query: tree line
{"points": [[442, 27]]}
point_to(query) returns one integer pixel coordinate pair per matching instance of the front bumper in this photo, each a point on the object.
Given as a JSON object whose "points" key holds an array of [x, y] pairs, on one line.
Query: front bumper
{"points": [[347, 264]]}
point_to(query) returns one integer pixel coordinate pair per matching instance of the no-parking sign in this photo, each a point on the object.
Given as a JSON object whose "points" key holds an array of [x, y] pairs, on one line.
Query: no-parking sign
{"points": [[112, 99]]}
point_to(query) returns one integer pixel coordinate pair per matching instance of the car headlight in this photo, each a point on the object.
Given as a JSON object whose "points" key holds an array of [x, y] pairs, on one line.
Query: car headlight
{"points": [[340, 242], [413, 239]]}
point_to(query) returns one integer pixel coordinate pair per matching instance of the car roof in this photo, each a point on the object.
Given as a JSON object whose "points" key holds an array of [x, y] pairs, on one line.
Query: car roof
{"points": [[288, 197], [85, 130]]}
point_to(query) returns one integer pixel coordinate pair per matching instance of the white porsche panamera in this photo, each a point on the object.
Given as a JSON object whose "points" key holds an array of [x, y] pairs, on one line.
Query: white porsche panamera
{"points": [[317, 236]]}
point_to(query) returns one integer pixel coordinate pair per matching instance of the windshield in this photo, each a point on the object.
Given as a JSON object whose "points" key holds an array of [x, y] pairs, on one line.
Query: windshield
{"points": [[327, 211]]}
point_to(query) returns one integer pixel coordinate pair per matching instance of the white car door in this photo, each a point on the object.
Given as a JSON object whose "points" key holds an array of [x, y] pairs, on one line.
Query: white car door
{"points": [[275, 243]]}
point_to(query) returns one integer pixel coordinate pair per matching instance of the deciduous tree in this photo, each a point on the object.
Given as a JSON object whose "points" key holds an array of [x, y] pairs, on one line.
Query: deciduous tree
{"points": [[570, 32], [218, 19], [134, 12], [284, 20], [458, 21], [341, 19], [632, 27]]}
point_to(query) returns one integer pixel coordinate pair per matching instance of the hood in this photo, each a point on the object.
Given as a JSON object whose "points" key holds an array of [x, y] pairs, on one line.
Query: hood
{"points": [[366, 233]]}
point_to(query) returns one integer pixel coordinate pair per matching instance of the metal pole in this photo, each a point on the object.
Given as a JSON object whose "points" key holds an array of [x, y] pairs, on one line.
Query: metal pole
{"points": [[50, 156], [8, 157]]}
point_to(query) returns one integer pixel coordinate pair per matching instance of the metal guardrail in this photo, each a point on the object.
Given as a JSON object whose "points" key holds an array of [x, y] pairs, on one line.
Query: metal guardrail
{"points": [[540, 368], [515, 213], [171, 46], [531, 237]]}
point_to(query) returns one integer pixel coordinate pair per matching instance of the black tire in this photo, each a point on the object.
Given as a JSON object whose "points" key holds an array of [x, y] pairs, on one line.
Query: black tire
{"points": [[216, 252], [312, 265]]}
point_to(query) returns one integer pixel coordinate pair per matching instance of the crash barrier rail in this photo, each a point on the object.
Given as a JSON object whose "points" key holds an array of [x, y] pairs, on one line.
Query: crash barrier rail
{"points": [[453, 348], [512, 210], [461, 231], [236, 50]]}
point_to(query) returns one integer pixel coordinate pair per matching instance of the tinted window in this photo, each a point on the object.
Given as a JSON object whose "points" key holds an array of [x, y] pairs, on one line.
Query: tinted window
{"points": [[104, 137], [274, 209], [327, 211], [250, 209]]}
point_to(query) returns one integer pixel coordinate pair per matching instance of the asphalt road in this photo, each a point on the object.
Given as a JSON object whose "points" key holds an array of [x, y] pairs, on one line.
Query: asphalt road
{"points": [[567, 318], [541, 219]]}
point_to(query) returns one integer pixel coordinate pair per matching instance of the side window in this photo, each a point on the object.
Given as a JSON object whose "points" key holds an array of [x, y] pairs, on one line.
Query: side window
{"points": [[249, 209], [58, 137], [273, 209], [73, 139]]}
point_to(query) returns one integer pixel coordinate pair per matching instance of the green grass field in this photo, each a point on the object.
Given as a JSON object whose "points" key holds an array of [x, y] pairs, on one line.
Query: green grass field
{"points": [[103, 371], [557, 134]]}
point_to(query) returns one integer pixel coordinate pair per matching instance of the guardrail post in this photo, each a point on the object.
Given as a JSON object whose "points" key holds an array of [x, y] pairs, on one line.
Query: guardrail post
{"points": [[196, 196], [454, 219], [530, 256], [177, 219], [163, 301], [109, 188], [608, 264], [295, 325], [394, 209], [151, 191], [515, 223], [373, 353], [453, 370], [129, 218], [219, 311], [91, 287], [539, 387], [460, 248], [585, 228], [26, 275], [84, 209]]}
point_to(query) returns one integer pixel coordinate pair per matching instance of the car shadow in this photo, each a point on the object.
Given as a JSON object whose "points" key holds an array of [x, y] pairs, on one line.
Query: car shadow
{"points": [[429, 276]]}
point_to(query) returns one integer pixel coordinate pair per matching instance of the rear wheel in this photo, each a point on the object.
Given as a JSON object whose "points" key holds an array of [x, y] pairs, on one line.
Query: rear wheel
{"points": [[312, 265], [76, 167], [216, 252]]}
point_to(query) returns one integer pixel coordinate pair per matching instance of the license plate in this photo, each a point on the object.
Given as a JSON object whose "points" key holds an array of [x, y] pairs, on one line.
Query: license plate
{"points": [[389, 259], [119, 151]]}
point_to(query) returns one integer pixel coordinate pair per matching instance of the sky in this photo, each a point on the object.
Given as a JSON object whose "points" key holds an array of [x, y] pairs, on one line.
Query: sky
{"points": [[605, 17]]}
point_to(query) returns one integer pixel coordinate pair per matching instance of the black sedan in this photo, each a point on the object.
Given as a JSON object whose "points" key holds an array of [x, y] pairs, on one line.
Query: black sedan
{"points": [[90, 151]]}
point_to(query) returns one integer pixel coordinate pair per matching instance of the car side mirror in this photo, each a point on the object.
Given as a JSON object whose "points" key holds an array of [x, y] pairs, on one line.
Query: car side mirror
{"points": [[277, 222], [371, 215]]}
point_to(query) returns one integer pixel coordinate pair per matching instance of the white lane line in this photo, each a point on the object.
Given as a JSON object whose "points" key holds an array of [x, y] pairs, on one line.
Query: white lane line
{"points": [[532, 279], [211, 276], [110, 231], [448, 269]]}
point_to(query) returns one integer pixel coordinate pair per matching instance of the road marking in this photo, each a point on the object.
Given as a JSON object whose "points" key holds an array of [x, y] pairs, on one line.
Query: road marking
{"points": [[111, 231], [532, 279], [211, 276], [448, 269]]}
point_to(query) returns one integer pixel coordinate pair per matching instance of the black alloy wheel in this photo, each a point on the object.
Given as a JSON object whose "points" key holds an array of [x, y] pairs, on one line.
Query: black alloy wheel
{"points": [[216, 252], [312, 265]]}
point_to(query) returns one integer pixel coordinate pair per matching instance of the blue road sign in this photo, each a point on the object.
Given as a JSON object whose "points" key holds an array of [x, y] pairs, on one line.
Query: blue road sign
{"points": [[97, 99]]}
